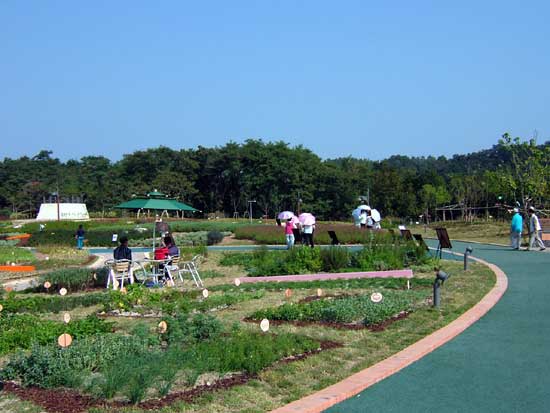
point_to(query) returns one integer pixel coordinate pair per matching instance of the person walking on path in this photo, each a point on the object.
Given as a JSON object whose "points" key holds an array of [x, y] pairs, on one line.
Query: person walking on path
{"points": [[308, 235], [289, 234], [515, 229], [79, 237], [535, 230]]}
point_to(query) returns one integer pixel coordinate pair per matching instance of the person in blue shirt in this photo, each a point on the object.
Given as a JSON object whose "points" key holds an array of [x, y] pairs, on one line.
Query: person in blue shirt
{"points": [[515, 229], [79, 236], [122, 252]]}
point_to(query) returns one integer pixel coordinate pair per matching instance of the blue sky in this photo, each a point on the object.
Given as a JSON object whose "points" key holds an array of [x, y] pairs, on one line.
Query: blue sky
{"points": [[361, 78]]}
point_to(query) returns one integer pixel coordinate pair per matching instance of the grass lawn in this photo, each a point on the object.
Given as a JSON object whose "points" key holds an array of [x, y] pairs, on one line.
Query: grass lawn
{"points": [[285, 382]]}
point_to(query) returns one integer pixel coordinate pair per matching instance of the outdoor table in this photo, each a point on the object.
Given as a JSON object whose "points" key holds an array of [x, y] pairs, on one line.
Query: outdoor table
{"points": [[155, 269]]}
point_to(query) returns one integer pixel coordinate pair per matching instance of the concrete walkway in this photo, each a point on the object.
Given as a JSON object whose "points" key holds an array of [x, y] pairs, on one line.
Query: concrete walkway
{"points": [[500, 364]]}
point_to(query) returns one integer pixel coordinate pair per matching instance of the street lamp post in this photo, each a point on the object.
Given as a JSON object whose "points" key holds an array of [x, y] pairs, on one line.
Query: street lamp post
{"points": [[250, 209]]}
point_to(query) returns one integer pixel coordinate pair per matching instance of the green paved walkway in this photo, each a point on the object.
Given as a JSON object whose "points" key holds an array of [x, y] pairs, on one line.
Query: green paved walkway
{"points": [[500, 364]]}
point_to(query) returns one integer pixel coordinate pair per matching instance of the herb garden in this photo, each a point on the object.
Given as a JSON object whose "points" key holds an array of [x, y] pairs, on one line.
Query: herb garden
{"points": [[177, 349]]}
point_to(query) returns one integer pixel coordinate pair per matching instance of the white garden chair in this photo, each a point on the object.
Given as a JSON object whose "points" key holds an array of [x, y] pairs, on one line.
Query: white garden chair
{"points": [[181, 268], [119, 272]]}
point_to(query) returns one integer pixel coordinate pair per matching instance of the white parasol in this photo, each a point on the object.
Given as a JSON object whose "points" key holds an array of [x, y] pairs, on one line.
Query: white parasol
{"points": [[375, 215], [285, 215]]}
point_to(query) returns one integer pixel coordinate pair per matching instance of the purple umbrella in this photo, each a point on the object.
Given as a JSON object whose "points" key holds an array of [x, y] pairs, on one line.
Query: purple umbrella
{"points": [[306, 219]]}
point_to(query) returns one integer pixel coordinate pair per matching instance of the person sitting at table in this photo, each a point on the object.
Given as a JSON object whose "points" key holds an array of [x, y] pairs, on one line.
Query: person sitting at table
{"points": [[173, 250], [161, 253], [122, 252]]}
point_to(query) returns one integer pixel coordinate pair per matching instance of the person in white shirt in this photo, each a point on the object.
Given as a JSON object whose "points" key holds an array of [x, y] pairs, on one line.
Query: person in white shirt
{"points": [[535, 230], [363, 218], [308, 234]]}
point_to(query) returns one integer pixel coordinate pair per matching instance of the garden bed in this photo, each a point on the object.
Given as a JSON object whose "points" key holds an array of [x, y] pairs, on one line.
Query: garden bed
{"points": [[340, 326], [70, 401], [382, 255], [219, 338], [345, 311]]}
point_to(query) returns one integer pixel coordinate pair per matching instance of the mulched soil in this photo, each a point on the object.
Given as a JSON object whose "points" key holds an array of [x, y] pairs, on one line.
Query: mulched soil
{"points": [[341, 326], [311, 298], [58, 400], [70, 401]]}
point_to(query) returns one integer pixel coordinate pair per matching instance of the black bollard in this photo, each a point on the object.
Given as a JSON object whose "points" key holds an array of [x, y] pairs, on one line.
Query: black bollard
{"points": [[467, 254]]}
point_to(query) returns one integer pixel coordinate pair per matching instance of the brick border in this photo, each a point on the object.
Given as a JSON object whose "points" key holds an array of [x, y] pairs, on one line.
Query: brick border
{"points": [[323, 399]]}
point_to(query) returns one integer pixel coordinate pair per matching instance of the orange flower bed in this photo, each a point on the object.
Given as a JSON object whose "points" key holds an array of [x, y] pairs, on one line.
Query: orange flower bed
{"points": [[17, 268], [20, 236]]}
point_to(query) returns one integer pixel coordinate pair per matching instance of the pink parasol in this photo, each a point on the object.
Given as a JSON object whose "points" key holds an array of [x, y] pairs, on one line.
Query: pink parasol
{"points": [[306, 219], [285, 215]]}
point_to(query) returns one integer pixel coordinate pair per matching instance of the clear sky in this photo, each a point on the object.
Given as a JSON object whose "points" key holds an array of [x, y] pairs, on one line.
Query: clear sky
{"points": [[362, 78]]}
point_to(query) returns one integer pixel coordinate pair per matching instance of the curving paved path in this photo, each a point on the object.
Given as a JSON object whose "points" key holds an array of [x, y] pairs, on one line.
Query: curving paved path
{"points": [[500, 364]]}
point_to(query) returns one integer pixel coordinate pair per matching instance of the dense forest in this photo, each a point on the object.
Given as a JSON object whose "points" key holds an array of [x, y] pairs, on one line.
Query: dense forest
{"points": [[277, 176]]}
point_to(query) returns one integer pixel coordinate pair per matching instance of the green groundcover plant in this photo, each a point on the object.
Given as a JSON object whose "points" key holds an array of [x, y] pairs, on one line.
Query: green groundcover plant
{"points": [[22, 303], [144, 300], [139, 365], [345, 309], [13, 254], [20, 331]]}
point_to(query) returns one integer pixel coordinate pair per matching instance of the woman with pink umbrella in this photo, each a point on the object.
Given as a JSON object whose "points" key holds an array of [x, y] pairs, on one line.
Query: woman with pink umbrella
{"points": [[290, 223], [308, 226]]}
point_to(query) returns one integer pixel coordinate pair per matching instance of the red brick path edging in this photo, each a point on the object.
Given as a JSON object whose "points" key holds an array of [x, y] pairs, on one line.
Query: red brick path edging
{"points": [[323, 399]]}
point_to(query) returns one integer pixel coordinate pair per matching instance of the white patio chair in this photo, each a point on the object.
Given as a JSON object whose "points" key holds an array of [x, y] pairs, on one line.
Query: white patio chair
{"points": [[119, 271], [181, 268]]}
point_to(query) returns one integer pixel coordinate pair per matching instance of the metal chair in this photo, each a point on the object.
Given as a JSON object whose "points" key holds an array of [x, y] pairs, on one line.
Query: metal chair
{"points": [[119, 271], [181, 268]]}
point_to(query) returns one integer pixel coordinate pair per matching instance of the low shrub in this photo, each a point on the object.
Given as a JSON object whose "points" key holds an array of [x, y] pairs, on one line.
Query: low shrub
{"points": [[184, 329], [73, 279], [382, 253], [214, 237], [95, 237], [17, 303], [335, 258], [51, 366]]}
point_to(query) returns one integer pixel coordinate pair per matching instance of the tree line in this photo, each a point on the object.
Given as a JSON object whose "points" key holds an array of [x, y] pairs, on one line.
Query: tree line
{"points": [[282, 177]]}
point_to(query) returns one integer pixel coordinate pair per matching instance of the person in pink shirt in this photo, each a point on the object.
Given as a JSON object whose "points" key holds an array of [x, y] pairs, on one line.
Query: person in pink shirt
{"points": [[289, 234]]}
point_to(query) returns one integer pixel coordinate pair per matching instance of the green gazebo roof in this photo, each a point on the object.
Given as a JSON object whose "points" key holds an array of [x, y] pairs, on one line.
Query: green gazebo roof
{"points": [[161, 204]]}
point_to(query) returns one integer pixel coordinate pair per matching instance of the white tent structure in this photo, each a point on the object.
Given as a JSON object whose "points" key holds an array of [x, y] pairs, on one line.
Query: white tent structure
{"points": [[49, 212]]}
